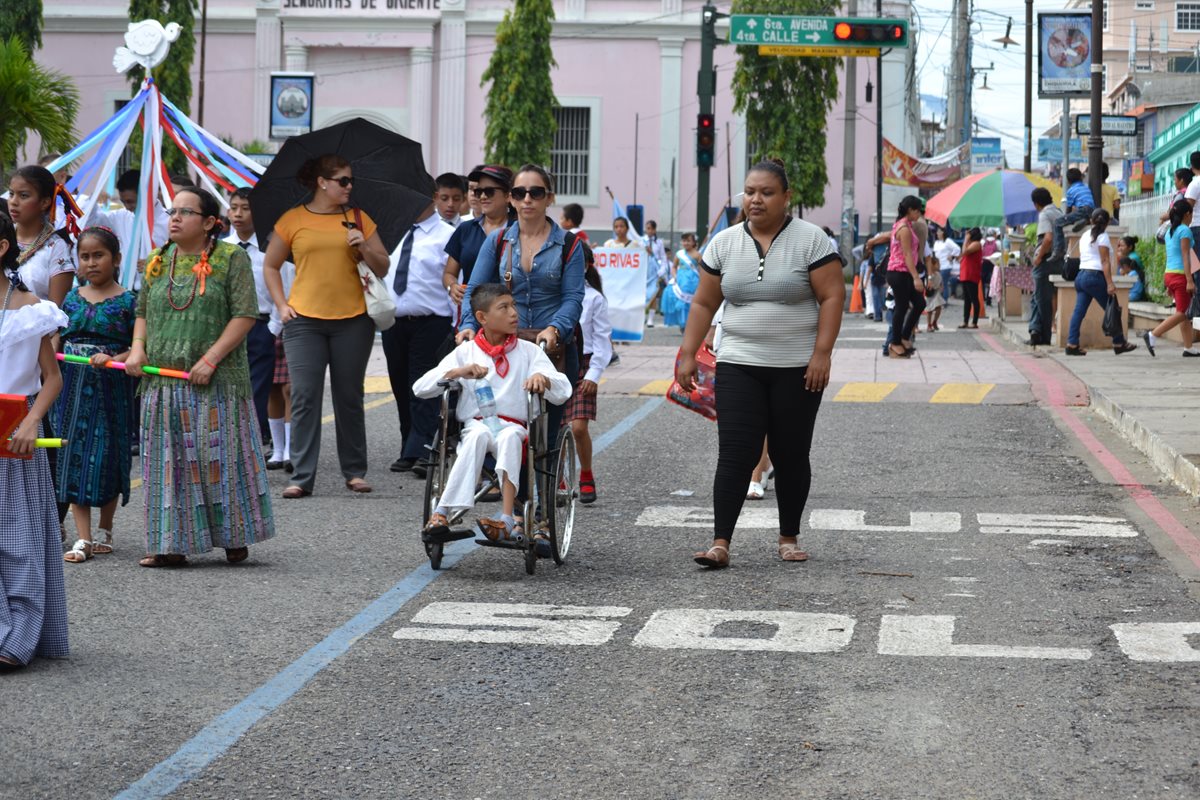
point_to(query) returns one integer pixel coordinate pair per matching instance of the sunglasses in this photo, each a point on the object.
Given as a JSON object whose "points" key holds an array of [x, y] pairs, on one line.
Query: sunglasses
{"points": [[535, 192], [485, 191], [345, 181], [182, 213]]}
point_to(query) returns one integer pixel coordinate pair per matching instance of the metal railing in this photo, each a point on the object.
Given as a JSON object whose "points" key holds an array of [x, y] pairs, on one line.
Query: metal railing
{"points": [[1141, 217]]}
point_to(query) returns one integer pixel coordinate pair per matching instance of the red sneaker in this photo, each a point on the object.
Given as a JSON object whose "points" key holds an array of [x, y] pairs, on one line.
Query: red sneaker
{"points": [[587, 492]]}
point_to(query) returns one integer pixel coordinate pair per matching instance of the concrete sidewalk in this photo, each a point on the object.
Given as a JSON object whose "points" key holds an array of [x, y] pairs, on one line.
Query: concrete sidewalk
{"points": [[1153, 401]]}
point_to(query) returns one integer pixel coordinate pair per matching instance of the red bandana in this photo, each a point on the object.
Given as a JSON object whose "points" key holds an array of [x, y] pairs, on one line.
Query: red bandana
{"points": [[498, 352]]}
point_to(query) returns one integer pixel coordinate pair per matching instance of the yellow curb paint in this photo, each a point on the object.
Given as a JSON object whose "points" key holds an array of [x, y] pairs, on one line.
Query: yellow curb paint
{"points": [[656, 388], [963, 393], [864, 392], [377, 385]]}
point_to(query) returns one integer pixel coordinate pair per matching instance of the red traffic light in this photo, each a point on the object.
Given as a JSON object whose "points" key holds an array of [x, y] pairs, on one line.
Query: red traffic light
{"points": [[871, 33], [706, 121], [841, 31]]}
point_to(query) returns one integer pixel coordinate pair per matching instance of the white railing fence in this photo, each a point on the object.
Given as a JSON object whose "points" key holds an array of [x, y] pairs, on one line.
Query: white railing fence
{"points": [[1141, 217]]}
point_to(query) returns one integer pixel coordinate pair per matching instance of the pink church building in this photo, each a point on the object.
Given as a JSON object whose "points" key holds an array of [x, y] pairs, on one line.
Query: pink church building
{"points": [[625, 83]]}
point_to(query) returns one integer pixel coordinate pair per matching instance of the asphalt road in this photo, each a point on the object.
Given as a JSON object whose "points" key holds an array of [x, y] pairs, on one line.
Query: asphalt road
{"points": [[951, 637]]}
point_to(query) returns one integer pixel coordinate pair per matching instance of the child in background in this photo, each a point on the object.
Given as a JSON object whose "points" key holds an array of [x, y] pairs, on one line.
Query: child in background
{"points": [[597, 352], [33, 602], [935, 301], [95, 410], [448, 194], [1079, 205], [511, 367]]}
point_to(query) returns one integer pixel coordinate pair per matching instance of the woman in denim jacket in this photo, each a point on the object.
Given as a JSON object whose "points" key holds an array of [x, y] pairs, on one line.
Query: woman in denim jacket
{"points": [[549, 294]]}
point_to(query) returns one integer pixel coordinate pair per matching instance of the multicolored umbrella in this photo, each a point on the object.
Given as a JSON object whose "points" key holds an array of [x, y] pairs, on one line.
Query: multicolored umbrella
{"points": [[989, 199]]}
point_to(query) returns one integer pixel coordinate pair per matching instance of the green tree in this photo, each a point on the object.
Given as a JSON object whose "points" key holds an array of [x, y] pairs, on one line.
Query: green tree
{"points": [[786, 101], [34, 99], [519, 116], [173, 75], [22, 19]]}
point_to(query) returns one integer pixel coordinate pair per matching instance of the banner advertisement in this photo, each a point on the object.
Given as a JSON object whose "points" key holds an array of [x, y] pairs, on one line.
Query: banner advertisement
{"points": [[623, 273], [1064, 54], [291, 104], [1050, 150], [986, 154], [901, 169]]}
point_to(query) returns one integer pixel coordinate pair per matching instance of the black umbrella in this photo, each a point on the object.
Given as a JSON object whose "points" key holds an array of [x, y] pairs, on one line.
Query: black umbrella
{"points": [[390, 181]]}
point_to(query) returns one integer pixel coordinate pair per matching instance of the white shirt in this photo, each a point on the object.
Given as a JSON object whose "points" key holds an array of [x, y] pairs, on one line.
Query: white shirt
{"points": [[1193, 190], [20, 342], [597, 333], [120, 222], [525, 359], [1089, 251], [945, 251], [424, 295], [51, 259], [257, 257], [658, 251]]}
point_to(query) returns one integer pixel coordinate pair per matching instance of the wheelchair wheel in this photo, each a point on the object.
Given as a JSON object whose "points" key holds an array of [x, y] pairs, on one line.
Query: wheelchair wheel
{"points": [[435, 478], [434, 551], [565, 491]]}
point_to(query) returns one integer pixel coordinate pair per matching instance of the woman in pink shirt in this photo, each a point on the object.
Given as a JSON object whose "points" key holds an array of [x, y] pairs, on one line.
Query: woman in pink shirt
{"points": [[907, 287]]}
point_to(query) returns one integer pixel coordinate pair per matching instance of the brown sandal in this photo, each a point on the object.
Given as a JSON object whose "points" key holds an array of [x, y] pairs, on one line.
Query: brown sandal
{"points": [[295, 493], [236, 554], [792, 552], [164, 560], [715, 557], [358, 486]]}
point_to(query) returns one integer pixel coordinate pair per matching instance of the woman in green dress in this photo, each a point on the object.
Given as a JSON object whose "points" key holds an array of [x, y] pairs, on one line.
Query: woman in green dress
{"points": [[202, 464]]}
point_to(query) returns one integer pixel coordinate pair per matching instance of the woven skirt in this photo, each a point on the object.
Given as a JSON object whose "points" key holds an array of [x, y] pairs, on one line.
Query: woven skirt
{"points": [[205, 479], [33, 601], [281, 370]]}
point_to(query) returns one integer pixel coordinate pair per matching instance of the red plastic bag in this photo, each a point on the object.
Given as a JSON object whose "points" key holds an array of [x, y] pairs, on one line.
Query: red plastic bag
{"points": [[702, 399]]}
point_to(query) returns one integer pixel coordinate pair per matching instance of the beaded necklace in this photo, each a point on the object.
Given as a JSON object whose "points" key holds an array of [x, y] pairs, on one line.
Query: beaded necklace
{"points": [[172, 283], [29, 250]]}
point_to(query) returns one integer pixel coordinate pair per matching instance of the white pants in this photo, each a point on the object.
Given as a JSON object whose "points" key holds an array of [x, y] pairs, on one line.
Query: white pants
{"points": [[475, 442]]}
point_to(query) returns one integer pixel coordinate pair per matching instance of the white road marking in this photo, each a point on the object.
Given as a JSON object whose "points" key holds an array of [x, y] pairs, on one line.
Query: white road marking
{"points": [[958, 594], [1157, 641], [519, 622], [933, 635], [795, 632], [918, 522], [1056, 525], [692, 517]]}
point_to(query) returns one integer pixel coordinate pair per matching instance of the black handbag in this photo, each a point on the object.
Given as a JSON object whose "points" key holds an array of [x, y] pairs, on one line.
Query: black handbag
{"points": [[1070, 269], [1112, 318]]}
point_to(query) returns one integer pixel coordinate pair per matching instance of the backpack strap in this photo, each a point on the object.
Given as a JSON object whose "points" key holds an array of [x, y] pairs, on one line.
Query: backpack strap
{"points": [[569, 244], [502, 245]]}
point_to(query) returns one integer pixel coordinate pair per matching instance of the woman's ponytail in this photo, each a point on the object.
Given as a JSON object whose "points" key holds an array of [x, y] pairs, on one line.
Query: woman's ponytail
{"points": [[1179, 210]]}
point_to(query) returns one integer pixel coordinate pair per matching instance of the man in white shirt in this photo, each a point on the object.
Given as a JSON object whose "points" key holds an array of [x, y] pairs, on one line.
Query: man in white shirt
{"points": [[1192, 194], [260, 342], [424, 327]]}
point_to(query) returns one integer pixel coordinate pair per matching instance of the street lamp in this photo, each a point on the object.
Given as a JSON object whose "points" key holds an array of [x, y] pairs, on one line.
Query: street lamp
{"points": [[1007, 39]]}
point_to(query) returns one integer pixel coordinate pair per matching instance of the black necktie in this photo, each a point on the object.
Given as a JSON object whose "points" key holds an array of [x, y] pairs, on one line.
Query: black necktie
{"points": [[401, 281], [244, 245]]}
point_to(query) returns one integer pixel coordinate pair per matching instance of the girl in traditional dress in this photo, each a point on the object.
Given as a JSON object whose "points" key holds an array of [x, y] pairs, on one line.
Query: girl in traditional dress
{"points": [[95, 410], [677, 299], [597, 353], [202, 463], [33, 603]]}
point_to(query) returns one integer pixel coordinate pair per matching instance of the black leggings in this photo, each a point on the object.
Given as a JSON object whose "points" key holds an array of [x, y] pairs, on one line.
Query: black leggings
{"points": [[757, 402], [970, 302], [910, 304]]}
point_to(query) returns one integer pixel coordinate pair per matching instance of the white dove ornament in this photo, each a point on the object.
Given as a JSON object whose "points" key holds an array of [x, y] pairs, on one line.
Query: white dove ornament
{"points": [[146, 43]]}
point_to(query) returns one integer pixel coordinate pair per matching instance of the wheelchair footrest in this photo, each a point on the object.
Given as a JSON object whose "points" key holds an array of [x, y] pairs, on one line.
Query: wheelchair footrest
{"points": [[443, 537], [503, 544]]}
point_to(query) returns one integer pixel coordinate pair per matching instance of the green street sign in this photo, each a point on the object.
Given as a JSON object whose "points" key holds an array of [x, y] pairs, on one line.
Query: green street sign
{"points": [[850, 32]]}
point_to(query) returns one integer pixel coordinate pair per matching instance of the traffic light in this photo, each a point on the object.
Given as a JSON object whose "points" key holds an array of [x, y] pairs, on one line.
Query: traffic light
{"points": [[706, 140], [871, 34]]}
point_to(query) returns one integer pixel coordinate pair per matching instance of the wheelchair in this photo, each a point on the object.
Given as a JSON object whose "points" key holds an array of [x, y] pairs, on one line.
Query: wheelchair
{"points": [[550, 485]]}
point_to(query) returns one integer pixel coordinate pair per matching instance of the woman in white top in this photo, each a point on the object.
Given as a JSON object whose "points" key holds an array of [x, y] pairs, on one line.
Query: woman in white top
{"points": [[33, 606], [597, 353], [1094, 282], [45, 264]]}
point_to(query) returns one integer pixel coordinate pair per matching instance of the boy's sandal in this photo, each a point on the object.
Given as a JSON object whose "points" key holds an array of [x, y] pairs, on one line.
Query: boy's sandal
{"points": [[542, 544], [105, 547], [80, 551], [295, 493], [164, 560], [495, 530], [792, 552], [715, 557], [236, 555]]}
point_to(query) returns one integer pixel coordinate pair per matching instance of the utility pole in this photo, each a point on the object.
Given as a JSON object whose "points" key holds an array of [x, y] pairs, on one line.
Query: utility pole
{"points": [[706, 87], [1095, 140], [879, 130], [846, 242], [1028, 163], [959, 75], [203, 42]]}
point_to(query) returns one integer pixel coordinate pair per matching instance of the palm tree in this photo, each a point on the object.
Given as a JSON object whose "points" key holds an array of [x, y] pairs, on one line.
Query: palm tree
{"points": [[35, 99]]}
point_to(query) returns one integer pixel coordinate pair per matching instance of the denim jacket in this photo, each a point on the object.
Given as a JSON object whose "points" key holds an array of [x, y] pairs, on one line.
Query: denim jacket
{"points": [[547, 295]]}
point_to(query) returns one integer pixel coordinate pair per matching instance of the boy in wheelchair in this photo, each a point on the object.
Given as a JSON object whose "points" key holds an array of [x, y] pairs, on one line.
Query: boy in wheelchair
{"points": [[511, 367]]}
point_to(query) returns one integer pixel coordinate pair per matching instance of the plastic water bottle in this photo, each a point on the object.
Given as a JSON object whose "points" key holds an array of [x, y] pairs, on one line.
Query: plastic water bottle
{"points": [[487, 406]]}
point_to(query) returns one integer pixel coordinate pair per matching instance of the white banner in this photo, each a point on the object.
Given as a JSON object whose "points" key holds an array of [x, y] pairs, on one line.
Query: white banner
{"points": [[623, 271]]}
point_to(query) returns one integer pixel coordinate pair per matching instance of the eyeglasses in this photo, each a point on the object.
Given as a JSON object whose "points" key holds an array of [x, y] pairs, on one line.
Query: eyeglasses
{"points": [[183, 213], [535, 192], [345, 181], [485, 191]]}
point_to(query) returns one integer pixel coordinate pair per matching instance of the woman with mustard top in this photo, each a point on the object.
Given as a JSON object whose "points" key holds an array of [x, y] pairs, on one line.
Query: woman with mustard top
{"points": [[203, 470], [325, 322]]}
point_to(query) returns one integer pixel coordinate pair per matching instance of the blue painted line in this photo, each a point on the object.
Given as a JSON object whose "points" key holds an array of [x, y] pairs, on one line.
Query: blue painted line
{"points": [[215, 739]]}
